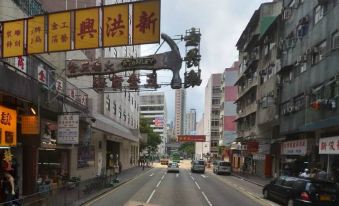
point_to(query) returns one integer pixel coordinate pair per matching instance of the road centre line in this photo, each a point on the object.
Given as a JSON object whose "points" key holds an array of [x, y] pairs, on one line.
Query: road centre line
{"points": [[158, 183], [177, 175], [197, 185], [151, 174], [192, 178], [150, 197], [209, 203], [163, 177], [204, 176]]}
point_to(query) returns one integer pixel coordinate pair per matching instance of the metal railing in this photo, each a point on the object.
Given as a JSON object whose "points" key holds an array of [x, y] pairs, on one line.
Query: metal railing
{"points": [[30, 7], [68, 194]]}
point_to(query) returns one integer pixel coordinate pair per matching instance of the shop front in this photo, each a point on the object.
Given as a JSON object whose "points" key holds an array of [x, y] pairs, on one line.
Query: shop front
{"points": [[329, 156], [294, 158], [262, 161]]}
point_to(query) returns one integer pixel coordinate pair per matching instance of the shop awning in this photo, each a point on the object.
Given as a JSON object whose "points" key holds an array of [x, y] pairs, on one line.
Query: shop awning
{"points": [[107, 125]]}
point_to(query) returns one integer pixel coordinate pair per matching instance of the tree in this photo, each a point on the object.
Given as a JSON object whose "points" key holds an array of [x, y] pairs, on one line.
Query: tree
{"points": [[153, 139], [187, 147]]}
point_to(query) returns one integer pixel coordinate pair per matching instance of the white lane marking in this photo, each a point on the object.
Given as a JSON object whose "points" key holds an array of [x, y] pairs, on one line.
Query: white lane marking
{"points": [[192, 178], [163, 177], [150, 197], [204, 176], [151, 174], [209, 203], [197, 185], [158, 183], [177, 175]]}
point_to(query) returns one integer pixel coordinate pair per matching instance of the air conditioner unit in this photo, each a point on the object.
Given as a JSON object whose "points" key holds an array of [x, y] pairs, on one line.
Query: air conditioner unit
{"points": [[308, 51]]}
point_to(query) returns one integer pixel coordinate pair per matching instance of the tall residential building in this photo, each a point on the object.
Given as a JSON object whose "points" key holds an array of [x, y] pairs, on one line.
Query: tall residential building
{"points": [[200, 147], [153, 107], [180, 105], [212, 112], [227, 126], [190, 122]]}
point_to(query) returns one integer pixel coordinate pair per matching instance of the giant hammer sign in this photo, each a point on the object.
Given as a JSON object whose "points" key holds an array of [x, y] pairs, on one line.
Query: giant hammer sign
{"points": [[107, 66]]}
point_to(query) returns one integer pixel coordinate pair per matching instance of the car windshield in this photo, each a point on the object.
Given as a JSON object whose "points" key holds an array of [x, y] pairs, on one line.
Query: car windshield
{"points": [[225, 164], [322, 187], [199, 162]]}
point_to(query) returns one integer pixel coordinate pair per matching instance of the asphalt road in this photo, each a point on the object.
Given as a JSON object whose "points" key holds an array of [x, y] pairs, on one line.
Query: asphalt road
{"points": [[157, 187]]}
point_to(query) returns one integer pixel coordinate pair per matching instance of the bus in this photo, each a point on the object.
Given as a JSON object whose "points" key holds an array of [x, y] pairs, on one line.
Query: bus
{"points": [[175, 157]]}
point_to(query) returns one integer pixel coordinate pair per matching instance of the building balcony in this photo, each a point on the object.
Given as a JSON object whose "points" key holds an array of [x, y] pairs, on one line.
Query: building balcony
{"points": [[249, 109], [250, 84], [247, 132]]}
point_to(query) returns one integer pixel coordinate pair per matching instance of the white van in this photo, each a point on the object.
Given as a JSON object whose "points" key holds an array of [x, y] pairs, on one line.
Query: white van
{"points": [[222, 167]]}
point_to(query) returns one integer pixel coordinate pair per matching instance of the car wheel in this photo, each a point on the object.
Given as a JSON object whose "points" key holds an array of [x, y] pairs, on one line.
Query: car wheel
{"points": [[290, 202], [266, 194]]}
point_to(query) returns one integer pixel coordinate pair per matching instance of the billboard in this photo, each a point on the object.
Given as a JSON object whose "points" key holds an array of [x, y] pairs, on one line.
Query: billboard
{"points": [[191, 138], [68, 129], [103, 26]]}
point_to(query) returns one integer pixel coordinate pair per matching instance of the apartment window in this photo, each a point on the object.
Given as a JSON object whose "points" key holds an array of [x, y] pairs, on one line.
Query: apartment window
{"points": [[125, 117], [120, 112], [129, 97], [214, 143], [214, 123], [214, 134], [114, 108], [216, 101], [128, 119], [215, 112], [125, 93], [319, 12], [335, 40], [319, 52], [108, 103]]}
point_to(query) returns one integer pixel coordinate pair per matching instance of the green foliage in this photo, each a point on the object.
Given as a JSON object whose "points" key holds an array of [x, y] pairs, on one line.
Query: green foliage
{"points": [[153, 139], [187, 147]]}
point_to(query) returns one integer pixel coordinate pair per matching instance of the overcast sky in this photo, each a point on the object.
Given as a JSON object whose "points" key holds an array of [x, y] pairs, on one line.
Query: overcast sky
{"points": [[221, 23]]}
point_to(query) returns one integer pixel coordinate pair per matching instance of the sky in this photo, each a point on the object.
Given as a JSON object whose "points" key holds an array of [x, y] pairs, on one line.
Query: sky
{"points": [[221, 23]]}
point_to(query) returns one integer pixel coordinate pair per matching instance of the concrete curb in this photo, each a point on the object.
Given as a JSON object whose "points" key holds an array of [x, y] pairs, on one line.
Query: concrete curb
{"points": [[112, 188], [247, 180]]}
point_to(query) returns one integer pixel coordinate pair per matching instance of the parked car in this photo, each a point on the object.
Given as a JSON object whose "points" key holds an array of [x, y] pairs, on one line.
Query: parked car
{"points": [[302, 191], [173, 167], [222, 167], [198, 166]]}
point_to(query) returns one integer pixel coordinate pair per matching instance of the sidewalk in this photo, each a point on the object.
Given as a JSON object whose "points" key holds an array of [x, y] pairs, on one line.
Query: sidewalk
{"points": [[125, 176], [260, 181]]}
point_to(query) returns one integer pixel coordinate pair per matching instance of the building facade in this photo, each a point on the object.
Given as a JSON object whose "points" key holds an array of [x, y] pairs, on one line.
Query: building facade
{"points": [[212, 113], [153, 107], [257, 116], [200, 147], [180, 110], [190, 122]]}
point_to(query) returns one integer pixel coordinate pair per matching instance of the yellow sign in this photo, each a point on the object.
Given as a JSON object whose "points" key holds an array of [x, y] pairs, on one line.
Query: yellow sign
{"points": [[7, 127], [146, 22], [115, 25], [86, 28], [36, 35], [59, 31], [30, 125], [13, 38]]}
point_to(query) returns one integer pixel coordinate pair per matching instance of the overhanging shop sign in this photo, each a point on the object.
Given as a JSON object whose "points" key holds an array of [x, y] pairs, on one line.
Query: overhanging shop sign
{"points": [[296, 147], [68, 129], [329, 145]]}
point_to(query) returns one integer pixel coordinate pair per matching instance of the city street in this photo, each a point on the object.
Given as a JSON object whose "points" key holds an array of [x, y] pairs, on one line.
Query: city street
{"points": [[157, 187]]}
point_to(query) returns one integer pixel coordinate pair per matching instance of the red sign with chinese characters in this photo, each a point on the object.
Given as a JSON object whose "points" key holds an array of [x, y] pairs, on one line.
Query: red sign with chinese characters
{"points": [[329, 145], [191, 138], [252, 146]]}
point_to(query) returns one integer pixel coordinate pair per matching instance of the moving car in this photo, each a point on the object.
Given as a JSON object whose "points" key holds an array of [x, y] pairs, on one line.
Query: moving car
{"points": [[198, 166], [222, 167], [302, 191], [173, 167], [164, 161]]}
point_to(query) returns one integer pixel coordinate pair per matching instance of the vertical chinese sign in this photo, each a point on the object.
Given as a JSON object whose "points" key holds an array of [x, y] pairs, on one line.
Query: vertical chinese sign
{"points": [[115, 25], [13, 38], [68, 129], [86, 28], [7, 127], [146, 22], [36, 35], [59, 31]]}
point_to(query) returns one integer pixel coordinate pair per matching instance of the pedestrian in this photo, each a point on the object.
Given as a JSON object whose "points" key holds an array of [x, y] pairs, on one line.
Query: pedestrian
{"points": [[8, 187], [116, 171], [322, 175], [314, 173], [120, 166], [306, 173]]}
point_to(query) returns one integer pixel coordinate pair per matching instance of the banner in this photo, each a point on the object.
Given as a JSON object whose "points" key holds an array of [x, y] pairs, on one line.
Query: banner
{"points": [[115, 25], [146, 22], [329, 145], [36, 35], [13, 38], [68, 129], [30, 125], [8, 120], [191, 138], [86, 28], [59, 31], [296, 147]]}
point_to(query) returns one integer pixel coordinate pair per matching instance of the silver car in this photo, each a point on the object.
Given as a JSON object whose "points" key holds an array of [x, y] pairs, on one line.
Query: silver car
{"points": [[173, 167], [222, 167], [198, 166]]}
